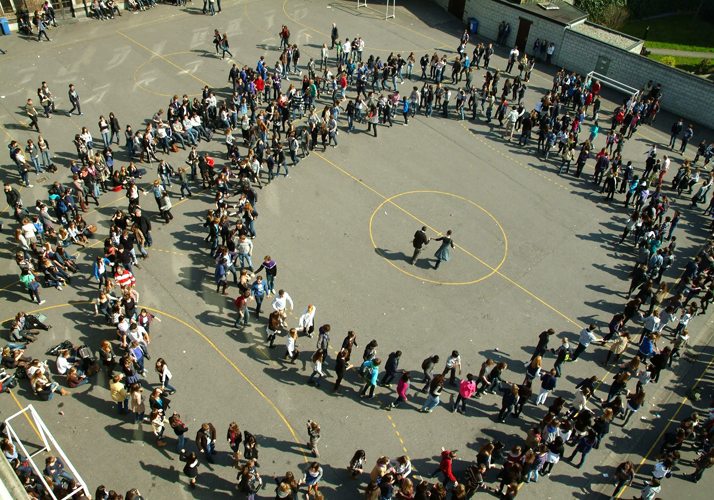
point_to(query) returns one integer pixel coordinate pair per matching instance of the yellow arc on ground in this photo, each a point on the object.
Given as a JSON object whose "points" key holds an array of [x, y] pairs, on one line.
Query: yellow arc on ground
{"points": [[240, 372], [493, 269]]}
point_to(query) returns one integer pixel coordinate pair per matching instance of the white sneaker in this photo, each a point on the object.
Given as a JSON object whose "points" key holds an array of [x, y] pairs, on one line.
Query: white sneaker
{"points": [[59, 287], [30, 185], [41, 302]]}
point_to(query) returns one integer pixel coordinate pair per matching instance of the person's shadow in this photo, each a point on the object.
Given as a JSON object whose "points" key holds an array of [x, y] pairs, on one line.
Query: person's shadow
{"points": [[421, 263]]}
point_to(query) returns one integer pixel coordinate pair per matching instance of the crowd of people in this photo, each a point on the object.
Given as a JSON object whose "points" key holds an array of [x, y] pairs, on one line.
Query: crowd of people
{"points": [[270, 116]]}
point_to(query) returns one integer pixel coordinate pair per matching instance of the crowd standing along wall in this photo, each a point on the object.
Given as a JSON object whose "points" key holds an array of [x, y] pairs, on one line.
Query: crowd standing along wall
{"points": [[684, 94]]}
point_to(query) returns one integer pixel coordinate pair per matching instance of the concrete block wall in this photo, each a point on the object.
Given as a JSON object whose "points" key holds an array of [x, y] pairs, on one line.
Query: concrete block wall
{"points": [[490, 14], [684, 94]]}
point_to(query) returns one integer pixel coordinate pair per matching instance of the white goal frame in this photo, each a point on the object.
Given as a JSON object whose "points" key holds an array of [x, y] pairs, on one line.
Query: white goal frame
{"points": [[48, 444], [387, 15], [615, 84]]}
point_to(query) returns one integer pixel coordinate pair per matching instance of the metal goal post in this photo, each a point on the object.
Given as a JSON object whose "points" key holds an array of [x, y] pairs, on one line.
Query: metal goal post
{"points": [[49, 444], [612, 83]]}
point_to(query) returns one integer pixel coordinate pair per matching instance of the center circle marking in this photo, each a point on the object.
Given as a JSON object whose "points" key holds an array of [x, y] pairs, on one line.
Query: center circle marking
{"points": [[389, 200], [152, 59]]}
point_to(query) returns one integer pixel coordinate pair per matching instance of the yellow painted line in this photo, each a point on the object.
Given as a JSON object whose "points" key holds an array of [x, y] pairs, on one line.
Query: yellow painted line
{"points": [[26, 416], [16, 86], [19, 190], [245, 8], [75, 123], [8, 134], [669, 422], [8, 286], [162, 57], [88, 246], [389, 200], [136, 71], [512, 159], [495, 270], [238, 370]]}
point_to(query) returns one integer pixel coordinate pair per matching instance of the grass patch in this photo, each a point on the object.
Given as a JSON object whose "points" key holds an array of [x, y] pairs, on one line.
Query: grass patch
{"points": [[690, 64], [680, 32]]}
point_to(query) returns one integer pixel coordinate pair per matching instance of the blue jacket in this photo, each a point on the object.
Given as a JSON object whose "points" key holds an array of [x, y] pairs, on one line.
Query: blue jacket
{"points": [[107, 265], [367, 365]]}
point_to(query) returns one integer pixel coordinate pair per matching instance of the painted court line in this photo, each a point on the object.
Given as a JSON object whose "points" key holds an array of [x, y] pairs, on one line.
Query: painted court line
{"points": [[457, 246]]}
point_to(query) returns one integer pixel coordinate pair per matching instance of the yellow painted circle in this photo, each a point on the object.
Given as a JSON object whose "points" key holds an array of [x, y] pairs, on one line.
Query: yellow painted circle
{"points": [[493, 270], [151, 59]]}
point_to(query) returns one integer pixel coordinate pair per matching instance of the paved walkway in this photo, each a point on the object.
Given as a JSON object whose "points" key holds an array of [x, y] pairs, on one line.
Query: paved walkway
{"points": [[683, 53]]}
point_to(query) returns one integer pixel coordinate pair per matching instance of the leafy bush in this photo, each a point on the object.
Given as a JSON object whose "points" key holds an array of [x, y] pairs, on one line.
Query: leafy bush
{"points": [[615, 17], [669, 61]]}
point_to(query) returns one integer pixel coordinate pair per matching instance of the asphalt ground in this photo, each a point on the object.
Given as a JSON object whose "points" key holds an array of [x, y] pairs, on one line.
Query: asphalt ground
{"points": [[534, 251]]}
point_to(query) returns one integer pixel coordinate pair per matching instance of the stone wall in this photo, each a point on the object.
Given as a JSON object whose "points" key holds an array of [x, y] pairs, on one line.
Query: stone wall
{"points": [[490, 14], [684, 94]]}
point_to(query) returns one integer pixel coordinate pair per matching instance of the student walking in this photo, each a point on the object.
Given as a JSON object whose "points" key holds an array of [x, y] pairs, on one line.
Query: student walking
{"points": [[313, 431], [443, 254]]}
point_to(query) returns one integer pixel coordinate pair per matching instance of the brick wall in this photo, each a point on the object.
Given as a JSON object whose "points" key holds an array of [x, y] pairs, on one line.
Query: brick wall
{"points": [[684, 94]]}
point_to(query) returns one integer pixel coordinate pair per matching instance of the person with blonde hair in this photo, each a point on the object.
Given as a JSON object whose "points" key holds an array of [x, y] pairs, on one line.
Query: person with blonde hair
{"points": [[307, 320]]}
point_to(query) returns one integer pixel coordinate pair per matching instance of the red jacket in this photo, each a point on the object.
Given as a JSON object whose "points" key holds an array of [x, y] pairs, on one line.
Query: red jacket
{"points": [[445, 466]]}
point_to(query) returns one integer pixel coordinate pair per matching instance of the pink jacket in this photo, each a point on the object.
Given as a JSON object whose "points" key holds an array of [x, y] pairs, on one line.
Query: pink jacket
{"points": [[402, 388], [466, 389]]}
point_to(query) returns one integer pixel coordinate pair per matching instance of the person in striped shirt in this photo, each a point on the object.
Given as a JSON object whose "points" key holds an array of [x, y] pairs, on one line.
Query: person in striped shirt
{"points": [[124, 278]]}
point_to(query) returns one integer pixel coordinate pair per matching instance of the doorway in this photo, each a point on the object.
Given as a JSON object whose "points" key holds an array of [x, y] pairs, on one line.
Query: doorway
{"points": [[524, 28], [457, 7]]}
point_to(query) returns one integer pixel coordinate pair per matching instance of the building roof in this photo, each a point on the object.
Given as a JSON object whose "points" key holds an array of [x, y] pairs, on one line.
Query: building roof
{"points": [[566, 14]]}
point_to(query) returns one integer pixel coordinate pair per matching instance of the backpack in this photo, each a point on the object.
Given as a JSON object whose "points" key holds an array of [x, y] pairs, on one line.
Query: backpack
{"points": [[425, 363], [369, 371]]}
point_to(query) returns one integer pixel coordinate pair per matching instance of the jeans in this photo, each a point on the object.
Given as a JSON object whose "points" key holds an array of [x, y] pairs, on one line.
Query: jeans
{"points": [[565, 164], [165, 179], [45, 157], [181, 442], [350, 122], [462, 400], [23, 175], [36, 163], [431, 403], [285, 166], [184, 187], [312, 377], [242, 319], [105, 137], [673, 140], [124, 406], [243, 259], [270, 281], [532, 475]]}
